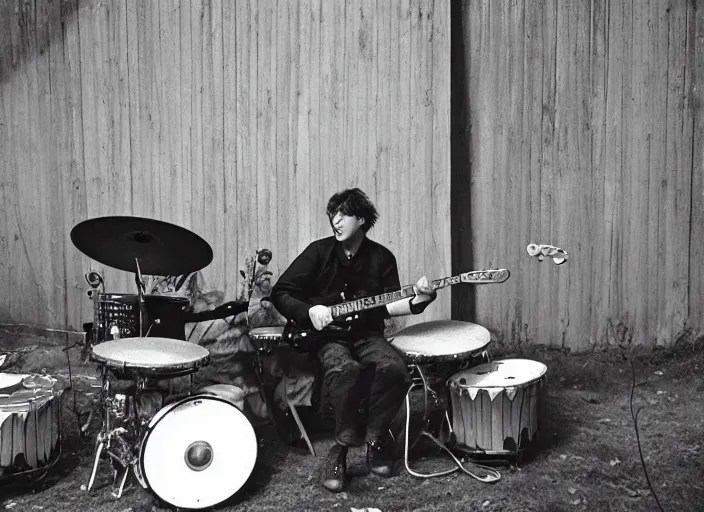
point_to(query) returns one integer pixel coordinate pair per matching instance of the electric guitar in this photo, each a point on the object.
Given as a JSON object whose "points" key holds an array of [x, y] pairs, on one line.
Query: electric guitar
{"points": [[346, 312]]}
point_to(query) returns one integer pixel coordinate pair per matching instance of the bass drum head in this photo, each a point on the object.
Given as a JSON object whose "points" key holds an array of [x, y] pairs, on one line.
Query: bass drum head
{"points": [[198, 453]]}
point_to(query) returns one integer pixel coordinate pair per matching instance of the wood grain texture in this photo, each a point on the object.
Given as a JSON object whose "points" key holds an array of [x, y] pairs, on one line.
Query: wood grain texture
{"points": [[236, 120], [585, 133]]}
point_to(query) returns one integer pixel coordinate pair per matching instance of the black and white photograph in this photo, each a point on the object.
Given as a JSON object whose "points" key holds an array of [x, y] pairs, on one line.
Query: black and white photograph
{"points": [[352, 255]]}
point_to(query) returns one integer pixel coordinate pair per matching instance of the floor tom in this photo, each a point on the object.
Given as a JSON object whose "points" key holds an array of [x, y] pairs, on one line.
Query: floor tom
{"points": [[496, 406]]}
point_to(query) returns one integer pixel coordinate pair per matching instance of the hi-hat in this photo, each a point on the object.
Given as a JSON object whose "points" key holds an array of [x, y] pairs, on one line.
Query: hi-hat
{"points": [[162, 248]]}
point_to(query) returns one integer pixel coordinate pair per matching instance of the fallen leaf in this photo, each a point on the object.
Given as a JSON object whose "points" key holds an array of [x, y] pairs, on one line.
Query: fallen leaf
{"points": [[10, 505], [486, 503], [661, 392], [658, 372], [614, 462], [571, 490], [576, 502], [563, 456]]}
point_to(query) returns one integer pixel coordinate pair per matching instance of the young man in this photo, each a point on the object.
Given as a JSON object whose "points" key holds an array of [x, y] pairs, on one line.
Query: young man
{"points": [[360, 366]]}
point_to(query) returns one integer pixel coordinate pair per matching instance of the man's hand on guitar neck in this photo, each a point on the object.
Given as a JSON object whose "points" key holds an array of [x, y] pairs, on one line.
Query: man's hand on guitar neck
{"points": [[424, 295]]}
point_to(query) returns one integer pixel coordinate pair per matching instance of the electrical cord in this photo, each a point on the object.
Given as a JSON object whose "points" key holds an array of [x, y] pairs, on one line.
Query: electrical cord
{"points": [[634, 415]]}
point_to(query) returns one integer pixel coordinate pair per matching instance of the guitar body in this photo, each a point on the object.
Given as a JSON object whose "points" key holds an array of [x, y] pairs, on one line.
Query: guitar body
{"points": [[346, 315]]}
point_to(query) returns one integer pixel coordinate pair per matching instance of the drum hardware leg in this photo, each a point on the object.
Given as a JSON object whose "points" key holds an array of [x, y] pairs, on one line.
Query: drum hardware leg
{"points": [[292, 408], [426, 392], [98, 451], [258, 369], [122, 483]]}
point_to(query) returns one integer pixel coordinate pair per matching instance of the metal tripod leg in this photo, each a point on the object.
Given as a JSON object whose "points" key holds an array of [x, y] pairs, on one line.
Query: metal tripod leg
{"points": [[98, 452], [122, 483]]}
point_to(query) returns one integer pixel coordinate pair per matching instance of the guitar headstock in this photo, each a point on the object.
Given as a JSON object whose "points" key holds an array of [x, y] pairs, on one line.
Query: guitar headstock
{"points": [[490, 276], [559, 256]]}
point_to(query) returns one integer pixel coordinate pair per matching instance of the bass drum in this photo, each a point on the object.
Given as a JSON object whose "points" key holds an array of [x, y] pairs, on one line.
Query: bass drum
{"points": [[197, 452]]}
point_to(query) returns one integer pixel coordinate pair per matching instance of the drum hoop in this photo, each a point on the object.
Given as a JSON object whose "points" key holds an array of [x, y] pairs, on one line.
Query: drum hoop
{"points": [[416, 358], [108, 296], [164, 412], [175, 370], [116, 303], [104, 298], [454, 384], [266, 337], [156, 368], [167, 298]]}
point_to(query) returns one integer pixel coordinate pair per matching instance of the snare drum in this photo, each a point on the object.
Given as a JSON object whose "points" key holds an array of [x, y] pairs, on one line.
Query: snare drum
{"points": [[442, 347], [198, 452], [151, 357], [266, 338], [496, 406], [30, 424], [117, 316]]}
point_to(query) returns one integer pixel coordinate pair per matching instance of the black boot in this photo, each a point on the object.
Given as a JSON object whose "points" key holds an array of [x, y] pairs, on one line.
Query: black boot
{"points": [[381, 455], [335, 468]]}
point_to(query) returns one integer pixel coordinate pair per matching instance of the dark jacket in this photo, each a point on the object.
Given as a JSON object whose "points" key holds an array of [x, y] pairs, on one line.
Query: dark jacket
{"points": [[322, 272]]}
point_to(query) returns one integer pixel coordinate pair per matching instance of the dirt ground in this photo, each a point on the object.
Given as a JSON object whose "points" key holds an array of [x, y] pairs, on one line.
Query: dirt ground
{"points": [[587, 457]]}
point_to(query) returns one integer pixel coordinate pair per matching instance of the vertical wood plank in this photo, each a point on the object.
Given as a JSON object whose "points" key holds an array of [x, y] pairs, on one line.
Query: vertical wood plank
{"points": [[679, 173], [696, 225], [231, 195]]}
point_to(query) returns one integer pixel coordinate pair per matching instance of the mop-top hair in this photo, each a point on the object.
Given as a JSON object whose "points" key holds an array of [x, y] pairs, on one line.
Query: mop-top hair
{"points": [[355, 203]]}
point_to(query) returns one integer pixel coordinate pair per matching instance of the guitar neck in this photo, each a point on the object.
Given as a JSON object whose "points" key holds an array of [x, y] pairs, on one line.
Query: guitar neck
{"points": [[475, 277]]}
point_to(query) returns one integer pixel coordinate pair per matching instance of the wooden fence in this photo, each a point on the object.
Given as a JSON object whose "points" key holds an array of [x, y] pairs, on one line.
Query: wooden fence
{"points": [[575, 123], [581, 124], [236, 120]]}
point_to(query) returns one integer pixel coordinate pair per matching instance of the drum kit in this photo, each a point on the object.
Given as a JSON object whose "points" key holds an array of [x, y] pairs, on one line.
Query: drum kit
{"points": [[138, 341], [489, 408]]}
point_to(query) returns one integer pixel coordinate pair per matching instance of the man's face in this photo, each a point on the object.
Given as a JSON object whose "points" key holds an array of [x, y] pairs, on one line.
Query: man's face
{"points": [[345, 226]]}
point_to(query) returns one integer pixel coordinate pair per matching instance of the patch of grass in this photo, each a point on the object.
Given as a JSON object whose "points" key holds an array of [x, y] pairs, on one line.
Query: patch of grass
{"points": [[582, 462]]}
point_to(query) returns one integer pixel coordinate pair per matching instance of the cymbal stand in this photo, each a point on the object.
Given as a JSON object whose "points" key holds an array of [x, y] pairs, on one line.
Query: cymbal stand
{"points": [[140, 296]]}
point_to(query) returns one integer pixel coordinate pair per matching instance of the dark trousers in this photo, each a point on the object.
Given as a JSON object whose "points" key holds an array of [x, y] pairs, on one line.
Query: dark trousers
{"points": [[365, 380]]}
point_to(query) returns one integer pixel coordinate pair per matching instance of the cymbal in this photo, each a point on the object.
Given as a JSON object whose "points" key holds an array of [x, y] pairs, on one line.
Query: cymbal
{"points": [[162, 248]]}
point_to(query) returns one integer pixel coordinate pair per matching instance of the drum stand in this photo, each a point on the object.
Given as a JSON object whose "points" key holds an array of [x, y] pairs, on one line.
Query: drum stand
{"points": [[122, 451], [121, 442], [115, 440], [490, 476]]}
